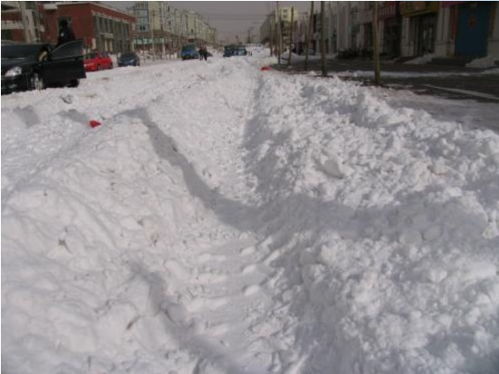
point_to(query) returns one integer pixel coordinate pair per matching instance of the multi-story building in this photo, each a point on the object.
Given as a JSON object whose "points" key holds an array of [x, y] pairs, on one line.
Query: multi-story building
{"points": [[154, 29], [21, 21], [101, 27], [162, 28], [271, 24]]}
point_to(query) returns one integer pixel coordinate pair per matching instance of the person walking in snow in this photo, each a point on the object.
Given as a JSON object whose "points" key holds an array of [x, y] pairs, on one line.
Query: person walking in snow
{"points": [[203, 53], [66, 34]]}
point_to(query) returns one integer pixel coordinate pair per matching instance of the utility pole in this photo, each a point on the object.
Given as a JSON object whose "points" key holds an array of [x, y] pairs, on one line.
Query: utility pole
{"points": [[291, 34], [310, 29], [377, 73], [276, 37], [279, 30], [271, 37], [323, 42], [151, 30], [163, 51]]}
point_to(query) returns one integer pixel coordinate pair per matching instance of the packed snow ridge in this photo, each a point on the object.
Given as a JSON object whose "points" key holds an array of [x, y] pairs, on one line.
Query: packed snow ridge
{"points": [[228, 220]]}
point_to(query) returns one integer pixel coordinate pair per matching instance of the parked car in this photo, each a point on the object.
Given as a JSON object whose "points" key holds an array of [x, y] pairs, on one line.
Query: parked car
{"points": [[129, 59], [97, 61], [235, 50], [37, 66], [189, 52]]}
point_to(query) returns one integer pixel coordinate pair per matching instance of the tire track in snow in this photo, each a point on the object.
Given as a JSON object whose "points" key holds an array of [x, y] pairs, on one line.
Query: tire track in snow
{"points": [[225, 294], [225, 310]]}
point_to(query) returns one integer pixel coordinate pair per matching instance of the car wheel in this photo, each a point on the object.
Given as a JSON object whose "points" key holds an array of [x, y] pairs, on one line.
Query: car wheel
{"points": [[74, 83], [37, 82]]}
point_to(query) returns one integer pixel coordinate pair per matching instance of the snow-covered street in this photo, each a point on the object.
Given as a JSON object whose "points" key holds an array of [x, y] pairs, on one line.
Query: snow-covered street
{"points": [[224, 219]]}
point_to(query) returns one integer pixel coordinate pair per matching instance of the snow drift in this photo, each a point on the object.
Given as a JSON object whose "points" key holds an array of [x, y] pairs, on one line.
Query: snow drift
{"points": [[224, 219]]}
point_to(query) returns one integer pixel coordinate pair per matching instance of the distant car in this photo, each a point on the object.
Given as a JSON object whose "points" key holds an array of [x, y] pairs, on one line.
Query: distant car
{"points": [[129, 59], [235, 50], [97, 61], [37, 66], [189, 52]]}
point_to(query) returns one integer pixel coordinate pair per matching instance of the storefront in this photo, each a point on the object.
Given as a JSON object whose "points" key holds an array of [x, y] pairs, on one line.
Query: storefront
{"points": [[422, 17], [392, 28], [365, 19]]}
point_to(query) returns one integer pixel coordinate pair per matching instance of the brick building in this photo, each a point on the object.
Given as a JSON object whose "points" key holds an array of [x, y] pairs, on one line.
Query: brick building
{"points": [[20, 21], [101, 27]]}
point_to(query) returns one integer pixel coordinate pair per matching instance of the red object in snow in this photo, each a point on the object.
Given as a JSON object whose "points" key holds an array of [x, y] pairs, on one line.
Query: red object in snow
{"points": [[265, 68], [97, 61], [94, 123]]}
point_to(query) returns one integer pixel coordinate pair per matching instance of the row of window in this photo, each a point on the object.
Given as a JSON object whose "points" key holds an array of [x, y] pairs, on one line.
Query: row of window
{"points": [[110, 26]]}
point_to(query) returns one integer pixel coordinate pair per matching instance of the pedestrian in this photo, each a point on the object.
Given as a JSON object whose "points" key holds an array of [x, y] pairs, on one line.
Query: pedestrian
{"points": [[65, 33], [203, 53]]}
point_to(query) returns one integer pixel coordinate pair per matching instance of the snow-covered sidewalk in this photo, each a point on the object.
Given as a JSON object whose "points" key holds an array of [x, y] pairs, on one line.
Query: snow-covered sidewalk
{"points": [[228, 220]]}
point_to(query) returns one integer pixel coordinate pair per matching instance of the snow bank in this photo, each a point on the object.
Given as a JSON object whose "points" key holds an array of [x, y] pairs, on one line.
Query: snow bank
{"points": [[408, 74], [422, 59], [386, 230], [483, 63], [224, 219]]}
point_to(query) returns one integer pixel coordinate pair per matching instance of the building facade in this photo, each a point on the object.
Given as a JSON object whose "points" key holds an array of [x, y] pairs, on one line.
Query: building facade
{"points": [[21, 21], [270, 26], [419, 27], [161, 28], [450, 29], [101, 27], [468, 29]]}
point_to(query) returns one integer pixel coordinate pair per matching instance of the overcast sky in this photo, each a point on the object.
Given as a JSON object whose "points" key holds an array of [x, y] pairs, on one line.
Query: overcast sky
{"points": [[230, 18]]}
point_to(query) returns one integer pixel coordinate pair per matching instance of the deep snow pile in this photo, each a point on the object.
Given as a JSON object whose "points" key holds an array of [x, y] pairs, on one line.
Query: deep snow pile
{"points": [[224, 219], [483, 62]]}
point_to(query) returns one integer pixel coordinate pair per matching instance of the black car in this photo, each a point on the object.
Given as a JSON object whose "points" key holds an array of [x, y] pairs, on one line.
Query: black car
{"points": [[129, 59], [235, 50], [37, 66]]}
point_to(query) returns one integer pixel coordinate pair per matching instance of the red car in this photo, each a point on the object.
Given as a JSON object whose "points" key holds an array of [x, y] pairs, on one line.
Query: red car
{"points": [[97, 61]]}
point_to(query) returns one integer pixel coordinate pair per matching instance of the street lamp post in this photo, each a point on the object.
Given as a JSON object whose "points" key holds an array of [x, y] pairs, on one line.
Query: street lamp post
{"points": [[151, 30], [323, 42]]}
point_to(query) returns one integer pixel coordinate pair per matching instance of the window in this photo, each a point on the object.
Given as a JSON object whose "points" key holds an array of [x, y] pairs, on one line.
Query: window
{"points": [[6, 35]]}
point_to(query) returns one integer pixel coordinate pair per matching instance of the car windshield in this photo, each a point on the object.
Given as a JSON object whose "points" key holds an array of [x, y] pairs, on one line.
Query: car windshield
{"points": [[188, 48], [20, 51], [128, 55]]}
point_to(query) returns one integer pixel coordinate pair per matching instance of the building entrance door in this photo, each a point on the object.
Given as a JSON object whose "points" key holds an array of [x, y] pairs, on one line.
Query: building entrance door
{"points": [[391, 37], [425, 35], [472, 29]]}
